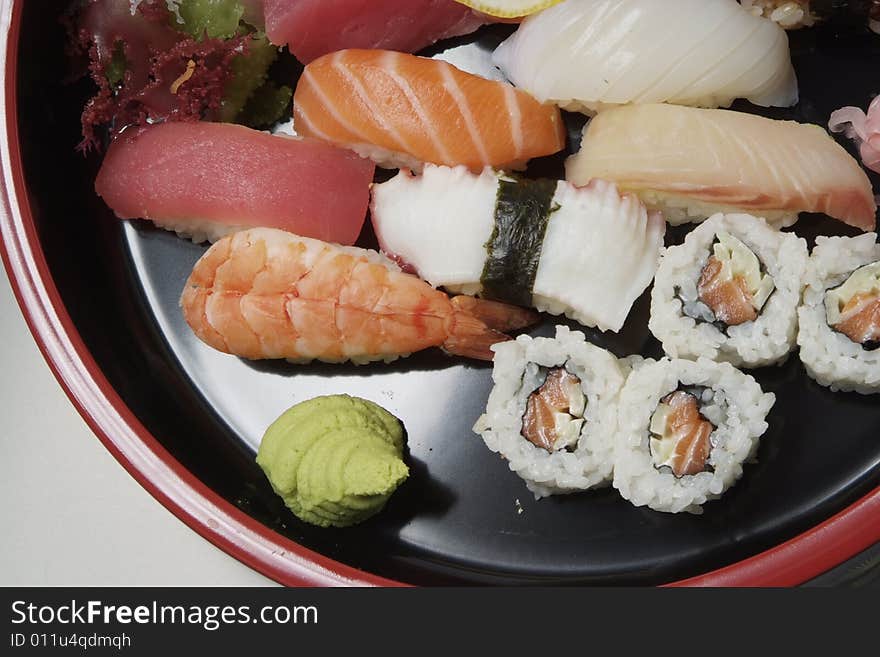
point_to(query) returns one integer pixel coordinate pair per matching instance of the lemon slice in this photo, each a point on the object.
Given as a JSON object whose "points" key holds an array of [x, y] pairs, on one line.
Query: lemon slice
{"points": [[509, 8]]}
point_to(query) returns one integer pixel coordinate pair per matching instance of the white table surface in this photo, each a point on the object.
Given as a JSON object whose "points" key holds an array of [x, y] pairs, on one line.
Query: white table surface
{"points": [[70, 514]]}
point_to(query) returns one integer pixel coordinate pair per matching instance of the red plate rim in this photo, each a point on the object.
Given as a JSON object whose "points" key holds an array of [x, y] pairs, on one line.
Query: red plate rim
{"points": [[808, 555]]}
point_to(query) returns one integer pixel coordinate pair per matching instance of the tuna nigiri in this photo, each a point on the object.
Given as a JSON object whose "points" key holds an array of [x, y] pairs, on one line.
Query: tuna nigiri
{"points": [[864, 129], [403, 110], [588, 253], [586, 55], [205, 180], [311, 28], [692, 163], [268, 294]]}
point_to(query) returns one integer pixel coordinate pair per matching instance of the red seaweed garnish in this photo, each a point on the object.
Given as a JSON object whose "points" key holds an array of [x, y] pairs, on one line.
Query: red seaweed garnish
{"points": [[156, 56]]}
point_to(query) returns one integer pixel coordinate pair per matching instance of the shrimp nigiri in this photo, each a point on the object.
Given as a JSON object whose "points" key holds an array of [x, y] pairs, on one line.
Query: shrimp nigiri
{"points": [[268, 294], [864, 129], [402, 111]]}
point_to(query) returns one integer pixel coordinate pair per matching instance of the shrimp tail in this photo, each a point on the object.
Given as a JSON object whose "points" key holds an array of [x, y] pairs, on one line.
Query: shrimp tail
{"points": [[496, 315], [478, 324]]}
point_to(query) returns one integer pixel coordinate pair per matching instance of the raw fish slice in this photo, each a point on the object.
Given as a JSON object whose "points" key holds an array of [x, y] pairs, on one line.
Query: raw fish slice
{"points": [[590, 256], [205, 180], [312, 28], [402, 111], [692, 163], [586, 55], [864, 129]]}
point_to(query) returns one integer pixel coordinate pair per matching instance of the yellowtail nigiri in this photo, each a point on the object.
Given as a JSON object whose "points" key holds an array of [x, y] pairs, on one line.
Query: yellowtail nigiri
{"points": [[691, 163]]}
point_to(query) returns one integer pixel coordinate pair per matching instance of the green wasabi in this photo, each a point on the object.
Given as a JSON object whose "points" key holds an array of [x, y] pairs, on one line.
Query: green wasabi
{"points": [[334, 460]]}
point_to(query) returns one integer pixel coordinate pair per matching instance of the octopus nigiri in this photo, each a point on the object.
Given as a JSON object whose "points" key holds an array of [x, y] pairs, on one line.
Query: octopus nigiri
{"points": [[586, 55], [268, 294], [691, 163], [863, 128], [402, 111], [587, 252]]}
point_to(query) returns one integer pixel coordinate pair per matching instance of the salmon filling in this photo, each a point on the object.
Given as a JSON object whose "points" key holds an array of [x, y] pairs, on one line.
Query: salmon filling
{"points": [[732, 284], [854, 308], [555, 412], [680, 437]]}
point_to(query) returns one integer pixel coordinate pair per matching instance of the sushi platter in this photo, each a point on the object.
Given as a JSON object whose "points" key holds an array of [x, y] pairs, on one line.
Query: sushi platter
{"points": [[462, 313]]}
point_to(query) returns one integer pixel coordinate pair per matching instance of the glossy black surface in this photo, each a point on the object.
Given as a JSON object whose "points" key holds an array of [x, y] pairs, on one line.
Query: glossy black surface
{"points": [[462, 516]]}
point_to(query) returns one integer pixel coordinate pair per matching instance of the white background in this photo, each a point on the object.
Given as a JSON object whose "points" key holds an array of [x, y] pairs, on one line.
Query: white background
{"points": [[70, 514]]}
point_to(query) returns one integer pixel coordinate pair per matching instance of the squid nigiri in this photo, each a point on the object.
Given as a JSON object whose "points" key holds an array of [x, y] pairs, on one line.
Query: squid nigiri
{"points": [[311, 28], [691, 163], [586, 55], [587, 253], [402, 111], [204, 180], [268, 294], [864, 129]]}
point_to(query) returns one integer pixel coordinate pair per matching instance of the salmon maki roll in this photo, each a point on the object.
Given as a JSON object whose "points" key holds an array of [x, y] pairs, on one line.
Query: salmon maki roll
{"points": [[692, 163], [268, 294], [685, 428], [839, 332], [552, 413], [730, 292], [403, 111]]}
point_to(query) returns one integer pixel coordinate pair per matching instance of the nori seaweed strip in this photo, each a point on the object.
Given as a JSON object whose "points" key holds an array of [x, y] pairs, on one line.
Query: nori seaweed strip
{"points": [[522, 210]]}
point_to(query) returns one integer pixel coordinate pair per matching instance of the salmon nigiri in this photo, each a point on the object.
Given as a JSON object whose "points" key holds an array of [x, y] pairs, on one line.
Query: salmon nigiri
{"points": [[269, 294], [205, 180], [692, 163], [403, 111], [311, 28]]}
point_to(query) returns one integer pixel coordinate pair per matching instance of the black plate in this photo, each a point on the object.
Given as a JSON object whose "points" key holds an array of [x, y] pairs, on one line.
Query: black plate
{"points": [[462, 516]]}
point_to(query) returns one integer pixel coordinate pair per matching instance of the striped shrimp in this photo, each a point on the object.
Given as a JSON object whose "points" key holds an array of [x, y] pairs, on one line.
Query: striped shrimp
{"points": [[268, 294], [402, 111]]}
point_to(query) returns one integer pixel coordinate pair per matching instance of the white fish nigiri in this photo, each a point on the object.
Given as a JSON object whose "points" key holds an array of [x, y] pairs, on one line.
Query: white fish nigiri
{"points": [[691, 163], [587, 253], [586, 55]]}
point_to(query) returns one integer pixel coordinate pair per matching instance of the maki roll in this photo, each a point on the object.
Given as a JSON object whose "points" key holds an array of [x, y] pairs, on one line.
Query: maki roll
{"points": [[685, 429], [553, 411], [730, 292], [839, 332]]}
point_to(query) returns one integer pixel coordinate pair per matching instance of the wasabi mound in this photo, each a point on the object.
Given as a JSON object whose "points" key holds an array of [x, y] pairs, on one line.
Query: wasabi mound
{"points": [[334, 460]]}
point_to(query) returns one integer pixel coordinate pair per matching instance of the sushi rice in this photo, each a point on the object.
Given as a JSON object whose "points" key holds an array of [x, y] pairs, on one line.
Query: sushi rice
{"points": [[685, 325], [829, 356], [199, 230], [519, 369], [731, 400]]}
